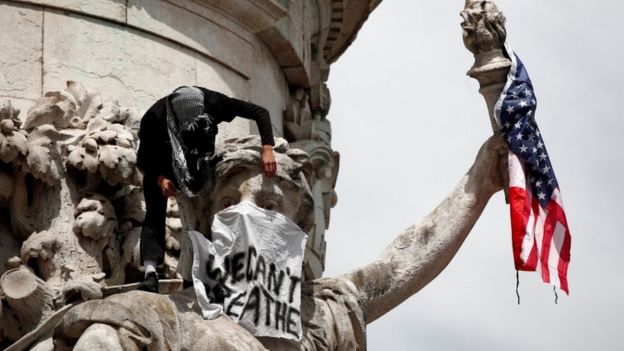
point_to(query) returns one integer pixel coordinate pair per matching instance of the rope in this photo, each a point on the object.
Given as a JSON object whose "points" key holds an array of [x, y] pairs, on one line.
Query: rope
{"points": [[556, 297], [518, 285]]}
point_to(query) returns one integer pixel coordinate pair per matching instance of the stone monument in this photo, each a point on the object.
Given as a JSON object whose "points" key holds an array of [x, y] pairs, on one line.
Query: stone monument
{"points": [[71, 208]]}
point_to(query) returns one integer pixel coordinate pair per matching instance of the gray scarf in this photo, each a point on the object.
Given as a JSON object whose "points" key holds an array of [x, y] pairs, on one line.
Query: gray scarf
{"points": [[185, 114]]}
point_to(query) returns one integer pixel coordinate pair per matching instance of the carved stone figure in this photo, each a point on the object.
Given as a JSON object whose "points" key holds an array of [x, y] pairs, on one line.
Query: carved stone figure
{"points": [[69, 180], [335, 311], [68, 173]]}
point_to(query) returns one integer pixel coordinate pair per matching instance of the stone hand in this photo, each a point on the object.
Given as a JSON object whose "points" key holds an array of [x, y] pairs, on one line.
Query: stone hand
{"points": [[168, 189], [269, 166], [490, 169]]}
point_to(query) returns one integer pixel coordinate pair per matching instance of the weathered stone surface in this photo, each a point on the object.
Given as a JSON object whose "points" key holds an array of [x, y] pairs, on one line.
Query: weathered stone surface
{"points": [[217, 77], [211, 10], [111, 9], [13, 142], [197, 32], [136, 68], [306, 127], [20, 55], [21, 105], [9, 246], [136, 320], [299, 30], [291, 38], [48, 161], [255, 15], [99, 337], [268, 86], [484, 35], [484, 26], [27, 295], [44, 345]]}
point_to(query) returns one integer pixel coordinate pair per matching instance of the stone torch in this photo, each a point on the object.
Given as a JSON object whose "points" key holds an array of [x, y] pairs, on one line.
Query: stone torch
{"points": [[484, 35]]}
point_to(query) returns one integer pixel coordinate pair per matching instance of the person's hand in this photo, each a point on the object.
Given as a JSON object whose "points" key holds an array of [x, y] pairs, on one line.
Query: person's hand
{"points": [[167, 187], [269, 166]]}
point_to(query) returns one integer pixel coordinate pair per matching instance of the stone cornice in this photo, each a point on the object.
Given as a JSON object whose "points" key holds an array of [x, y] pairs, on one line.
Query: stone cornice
{"points": [[347, 17], [255, 15]]}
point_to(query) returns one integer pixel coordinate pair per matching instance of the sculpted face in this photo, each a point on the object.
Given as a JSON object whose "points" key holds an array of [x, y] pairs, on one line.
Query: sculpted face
{"points": [[250, 185], [237, 177]]}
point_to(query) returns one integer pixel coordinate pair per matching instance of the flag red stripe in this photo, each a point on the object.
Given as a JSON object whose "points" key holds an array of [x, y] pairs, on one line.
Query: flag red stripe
{"points": [[549, 230], [520, 213], [556, 214], [564, 262], [532, 259]]}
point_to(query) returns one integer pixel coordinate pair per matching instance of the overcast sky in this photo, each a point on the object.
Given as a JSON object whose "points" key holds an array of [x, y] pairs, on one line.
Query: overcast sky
{"points": [[408, 123]]}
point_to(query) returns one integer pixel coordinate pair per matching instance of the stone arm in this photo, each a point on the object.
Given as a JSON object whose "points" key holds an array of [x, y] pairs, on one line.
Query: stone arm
{"points": [[423, 250]]}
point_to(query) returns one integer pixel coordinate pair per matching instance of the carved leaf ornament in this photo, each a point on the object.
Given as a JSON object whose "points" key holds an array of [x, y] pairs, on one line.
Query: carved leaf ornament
{"points": [[74, 126], [66, 177], [12, 140]]}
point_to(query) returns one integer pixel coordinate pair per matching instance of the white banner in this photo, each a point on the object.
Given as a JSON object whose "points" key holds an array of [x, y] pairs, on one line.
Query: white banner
{"points": [[253, 265]]}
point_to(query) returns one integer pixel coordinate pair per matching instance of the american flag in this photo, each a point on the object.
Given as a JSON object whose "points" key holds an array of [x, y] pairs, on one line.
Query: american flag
{"points": [[540, 234]]}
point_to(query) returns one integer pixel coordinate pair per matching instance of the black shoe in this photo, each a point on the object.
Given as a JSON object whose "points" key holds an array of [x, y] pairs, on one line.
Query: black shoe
{"points": [[150, 283]]}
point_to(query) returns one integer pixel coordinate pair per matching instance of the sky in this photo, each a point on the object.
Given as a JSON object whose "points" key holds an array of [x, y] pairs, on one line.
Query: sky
{"points": [[408, 123]]}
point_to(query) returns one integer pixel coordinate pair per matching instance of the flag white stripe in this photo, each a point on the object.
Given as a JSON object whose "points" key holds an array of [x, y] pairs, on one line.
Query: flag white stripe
{"points": [[528, 242], [516, 172], [554, 258], [556, 197], [539, 234]]}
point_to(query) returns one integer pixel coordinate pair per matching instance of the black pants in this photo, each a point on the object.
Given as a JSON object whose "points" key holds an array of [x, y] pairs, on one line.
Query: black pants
{"points": [[152, 245]]}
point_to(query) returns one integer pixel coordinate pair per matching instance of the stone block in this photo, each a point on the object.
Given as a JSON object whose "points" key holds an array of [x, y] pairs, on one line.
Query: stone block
{"points": [[135, 67], [188, 28], [212, 75], [212, 11], [239, 127], [110, 9], [255, 15], [298, 31], [268, 86], [20, 56], [289, 39]]}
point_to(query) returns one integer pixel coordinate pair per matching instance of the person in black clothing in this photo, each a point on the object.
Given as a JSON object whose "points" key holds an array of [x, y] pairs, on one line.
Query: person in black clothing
{"points": [[177, 134]]}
